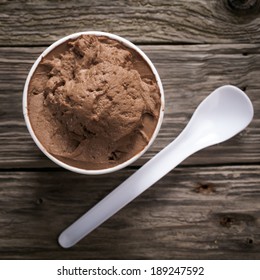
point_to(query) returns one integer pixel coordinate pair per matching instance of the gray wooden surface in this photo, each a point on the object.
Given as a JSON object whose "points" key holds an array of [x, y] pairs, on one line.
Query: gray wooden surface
{"points": [[208, 208]]}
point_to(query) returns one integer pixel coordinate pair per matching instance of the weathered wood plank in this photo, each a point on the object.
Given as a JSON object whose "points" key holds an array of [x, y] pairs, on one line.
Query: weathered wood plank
{"points": [[194, 21], [188, 73], [192, 213]]}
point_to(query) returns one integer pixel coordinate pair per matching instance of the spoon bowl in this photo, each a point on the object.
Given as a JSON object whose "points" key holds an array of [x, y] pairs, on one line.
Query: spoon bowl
{"points": [[223, 114]]}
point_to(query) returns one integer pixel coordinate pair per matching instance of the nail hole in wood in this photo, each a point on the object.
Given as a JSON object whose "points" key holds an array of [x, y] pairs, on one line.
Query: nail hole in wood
{"points": [[244, 88], [226, 221], [205, 188], [39, 201], [235, 219], [249, 241]]}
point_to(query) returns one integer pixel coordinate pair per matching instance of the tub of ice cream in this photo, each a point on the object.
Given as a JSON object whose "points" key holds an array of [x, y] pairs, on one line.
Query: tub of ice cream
{"points": [[93, 102]]}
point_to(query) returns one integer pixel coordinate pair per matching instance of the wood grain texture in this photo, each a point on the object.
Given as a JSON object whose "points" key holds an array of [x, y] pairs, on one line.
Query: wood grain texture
{"points": [[193, 21], [206, 209], [192, 213], [189, 74]]}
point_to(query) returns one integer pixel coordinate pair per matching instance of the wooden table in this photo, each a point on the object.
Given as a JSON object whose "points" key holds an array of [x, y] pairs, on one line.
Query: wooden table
{"points": [[209, 207]]}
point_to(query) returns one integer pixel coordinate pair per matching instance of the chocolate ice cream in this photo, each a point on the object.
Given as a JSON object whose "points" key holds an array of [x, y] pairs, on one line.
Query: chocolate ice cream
{"points": [[93, 103]]}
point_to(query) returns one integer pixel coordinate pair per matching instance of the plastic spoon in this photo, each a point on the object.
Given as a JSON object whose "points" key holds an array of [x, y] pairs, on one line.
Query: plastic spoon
{"points": [[223, 114]]}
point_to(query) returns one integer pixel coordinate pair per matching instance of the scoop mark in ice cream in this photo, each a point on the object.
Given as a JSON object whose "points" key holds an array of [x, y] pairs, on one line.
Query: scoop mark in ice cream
{"points": [[93, 102]]}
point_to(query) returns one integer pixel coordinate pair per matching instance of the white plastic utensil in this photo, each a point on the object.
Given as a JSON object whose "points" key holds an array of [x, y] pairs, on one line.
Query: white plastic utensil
{"points": [[223, 114]]}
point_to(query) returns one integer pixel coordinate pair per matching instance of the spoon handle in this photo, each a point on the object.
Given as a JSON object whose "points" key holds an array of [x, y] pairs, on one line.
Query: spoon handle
{"points": [[132, 187]]}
